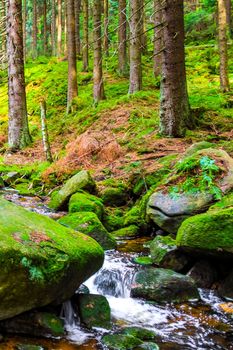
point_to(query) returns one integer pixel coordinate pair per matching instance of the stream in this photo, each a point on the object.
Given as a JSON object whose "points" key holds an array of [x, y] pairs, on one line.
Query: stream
{"points": [[189, 326]]}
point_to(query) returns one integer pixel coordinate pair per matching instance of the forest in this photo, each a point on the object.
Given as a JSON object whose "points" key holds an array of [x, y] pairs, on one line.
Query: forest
{"points": [[116, 175]]}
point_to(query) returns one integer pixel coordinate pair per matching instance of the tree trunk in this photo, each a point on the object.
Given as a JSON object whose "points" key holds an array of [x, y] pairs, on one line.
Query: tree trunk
{"points": [[106, 22], [59, 28], [18, 132], [3, 50], [44, 130], [85, 36], [143, 28], [45, 27], [135, 79], [98, 89], [71, 50], [65, 28], [24, 29], [53, 28], [229, 19], [122, 37], [34, 30], [222, 37], [157, 38], [174, 106], [77, 6]]}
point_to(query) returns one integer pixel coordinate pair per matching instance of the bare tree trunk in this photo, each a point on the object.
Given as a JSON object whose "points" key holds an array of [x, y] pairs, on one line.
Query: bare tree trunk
{"points": [[18, 131], [59, 28], [85, 36], [106, 22], [135, 79], [98, 89], [44, 130], [53, 28], [24, 29], [222, 37], [77, 6], [143, 28], [229, 19], [174, 106], [34, 30], [157, 38], [45, 27], [122, 38], [65, 28], [71, 50], [3, 49]]}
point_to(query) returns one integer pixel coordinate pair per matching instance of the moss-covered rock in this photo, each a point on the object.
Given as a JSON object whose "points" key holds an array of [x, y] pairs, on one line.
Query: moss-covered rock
{"points": [[163, 285], [164, 252], [83, 201], [40, 260], [143, 260], [147, 346], [114, 197], [210, 232], [197, 146], [89, 223], [94, 310], [131, 231], [113, 218], [81, 181], [140, 333], [120, 342]]}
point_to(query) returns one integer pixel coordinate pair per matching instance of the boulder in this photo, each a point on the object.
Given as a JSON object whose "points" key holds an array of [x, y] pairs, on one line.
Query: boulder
{"points": [[163, 285], [114, 196], [147, 346], [41, 261], [226, 287], [203, 273], [89, 223], [139, 332], [164, 253], [120, 342], [81, 181], [196, 183], [81, 201], [93, 310], [131, 231], [209, 233]]}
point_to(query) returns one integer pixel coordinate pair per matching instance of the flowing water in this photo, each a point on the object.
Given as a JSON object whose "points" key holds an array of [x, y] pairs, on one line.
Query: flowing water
{"points": [[191, 326]]}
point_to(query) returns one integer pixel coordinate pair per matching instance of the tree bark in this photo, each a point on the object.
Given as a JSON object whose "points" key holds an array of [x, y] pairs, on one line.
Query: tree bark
{"points": [[34, 30], [24, 29], [143, 28], [44, 130], [222, 39], [229, 19], [18, 131], [53, 28], [174, 106], [135, 79], [45, 27], [98, 88], [59, 28], [158, 34], [122, 39], [85, 36], [3, 50], [71, 50], [106, 22], [77, 6]]}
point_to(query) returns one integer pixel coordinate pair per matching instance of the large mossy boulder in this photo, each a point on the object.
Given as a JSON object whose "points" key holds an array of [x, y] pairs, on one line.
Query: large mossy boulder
{"points": [[81, 181], [41, 261], [120, 342], [163, 285], [89, 223], [210, 233], [196, 182], [83, 201]]}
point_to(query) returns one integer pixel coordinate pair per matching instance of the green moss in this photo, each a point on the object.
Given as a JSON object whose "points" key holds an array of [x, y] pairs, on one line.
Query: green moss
{"points": [[54, 324], [113, 218], [143, 260], [120, 342], [81, 201], [126, 232], [225, 202], [141, 333], [112, 196], [210, 231]]}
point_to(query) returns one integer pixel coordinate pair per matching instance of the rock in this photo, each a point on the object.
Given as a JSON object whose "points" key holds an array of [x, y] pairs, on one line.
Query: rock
{"points": [[39, 324], [94, 310], [226, 287], [164, 253], [143, 260], [140, 333], [81, 181], [113, 219], [147, 346], [83, 289], [195, 184], [41, 261], [114, 196], [88, 223], [81, 201], [208, 234], [163, 285], [197, 146], [131, 231], [29, 347], [120, 342], [203, 274]]}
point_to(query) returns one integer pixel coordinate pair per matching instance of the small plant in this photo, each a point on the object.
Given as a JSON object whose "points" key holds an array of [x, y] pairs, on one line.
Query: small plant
{"points": [[34, 271]]}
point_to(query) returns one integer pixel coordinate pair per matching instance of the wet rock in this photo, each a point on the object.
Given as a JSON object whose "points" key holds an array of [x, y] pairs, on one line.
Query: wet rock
{"points": [[88, 223], [203, 273], [83, 289], [81, 202], [147, 346], [164, 253], [29, 347], [163, 286], [140, 333], [81, 181], [120, 342], [208, 234], [93, 310], [39, 324], [226, 287], [41, 261], [131, 231]]}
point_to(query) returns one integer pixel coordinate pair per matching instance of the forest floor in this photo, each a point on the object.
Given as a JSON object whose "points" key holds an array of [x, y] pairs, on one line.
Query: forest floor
{"points": [[120, 135]]}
